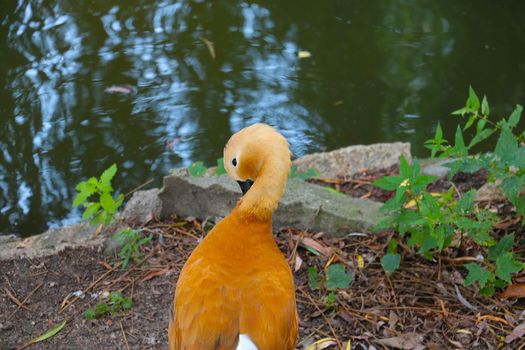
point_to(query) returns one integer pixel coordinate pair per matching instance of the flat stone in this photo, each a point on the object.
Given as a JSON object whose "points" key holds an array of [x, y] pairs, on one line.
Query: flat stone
{"points": [[351, 160], [142, 206], [50, 242], [304, 205]]}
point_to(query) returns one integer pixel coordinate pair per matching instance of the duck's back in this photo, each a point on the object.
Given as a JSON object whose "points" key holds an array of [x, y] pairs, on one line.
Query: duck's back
{"points": [[235, 282]]}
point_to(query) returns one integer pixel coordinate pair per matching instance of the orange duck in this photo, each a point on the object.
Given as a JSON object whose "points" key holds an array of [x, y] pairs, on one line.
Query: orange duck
{"points": [[236, 291]]}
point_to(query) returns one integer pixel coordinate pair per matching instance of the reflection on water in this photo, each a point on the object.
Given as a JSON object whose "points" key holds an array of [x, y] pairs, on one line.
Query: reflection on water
{"points": [[151, 85]]}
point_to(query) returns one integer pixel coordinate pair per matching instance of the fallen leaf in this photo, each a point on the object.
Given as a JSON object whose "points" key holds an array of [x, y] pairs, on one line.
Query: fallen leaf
{"points": [[516, 333], [321, 344], [360, 261], [406, 341], [304, 54], [514, 291], [210, 47], [308, 242], [48, 334], [298, 263]]}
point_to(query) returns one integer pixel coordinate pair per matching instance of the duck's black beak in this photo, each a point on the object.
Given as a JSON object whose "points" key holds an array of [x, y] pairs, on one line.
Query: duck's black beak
{"points": [[245, 185]]}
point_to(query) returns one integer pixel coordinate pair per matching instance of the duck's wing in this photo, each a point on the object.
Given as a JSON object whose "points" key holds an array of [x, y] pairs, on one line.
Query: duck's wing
{"points": [[205, 312]]}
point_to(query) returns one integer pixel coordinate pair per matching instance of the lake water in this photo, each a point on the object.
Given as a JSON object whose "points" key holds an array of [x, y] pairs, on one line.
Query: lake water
{"points": [[153, 85]]}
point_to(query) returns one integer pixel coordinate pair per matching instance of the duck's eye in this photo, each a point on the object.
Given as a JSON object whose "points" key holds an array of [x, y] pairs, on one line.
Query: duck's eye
{"points": [[234, 161]]}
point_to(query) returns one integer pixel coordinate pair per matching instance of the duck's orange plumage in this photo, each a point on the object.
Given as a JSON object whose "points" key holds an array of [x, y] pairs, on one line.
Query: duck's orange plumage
{"points": [[236, 283]]}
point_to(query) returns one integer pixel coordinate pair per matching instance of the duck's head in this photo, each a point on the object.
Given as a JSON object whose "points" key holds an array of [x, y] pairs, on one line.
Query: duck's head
{"points": [[258, 154]]}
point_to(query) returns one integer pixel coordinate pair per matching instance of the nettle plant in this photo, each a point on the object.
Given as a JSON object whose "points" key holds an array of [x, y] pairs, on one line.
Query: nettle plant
{"points": [[336, 278], [435, 221], [104, 206]]}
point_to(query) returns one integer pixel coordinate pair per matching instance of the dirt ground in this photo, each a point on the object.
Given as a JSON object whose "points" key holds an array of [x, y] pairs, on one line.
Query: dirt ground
{"points": [[424, 305]]}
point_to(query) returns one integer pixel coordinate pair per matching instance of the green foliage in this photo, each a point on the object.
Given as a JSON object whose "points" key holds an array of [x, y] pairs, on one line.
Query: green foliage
{"points": [[308, 174], [131, 242], [432, 221], [390, 262], [115, 304], [220, 167], [337, 278], [197, 169], [313, 278], [100, 211]]}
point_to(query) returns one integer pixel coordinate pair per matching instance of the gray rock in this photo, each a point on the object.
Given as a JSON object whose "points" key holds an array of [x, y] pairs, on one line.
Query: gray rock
{"points": [[142, 206], [350, 160], [304, 205], [436, 167], [50, 242]]}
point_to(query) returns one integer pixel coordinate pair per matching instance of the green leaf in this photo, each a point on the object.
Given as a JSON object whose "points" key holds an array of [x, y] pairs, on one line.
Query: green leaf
{"points": [[515, 116], [89, 314], [507, 265], [390, 262], [48, 334], [503, 246], [106, 177], [481, 136], [473, 98], [330, 299], [313, 278], [507, 146], [392, 246], [108, 203], [466, 202], [459, 146], [80, 198], [389, 183], [220, 167], [197, 169], [470, 122], [485, 109], [460, 111], [476, 274], [337, 278], [404, 168], [90, 210]]}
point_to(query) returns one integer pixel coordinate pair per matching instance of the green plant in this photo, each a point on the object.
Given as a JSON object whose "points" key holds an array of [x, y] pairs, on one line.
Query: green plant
{"points": [[131, 241], [197, 169], [116, 303], [432, 221], [308, 174], [505, 165], [103, 209], [220, 167], [336, 278]]}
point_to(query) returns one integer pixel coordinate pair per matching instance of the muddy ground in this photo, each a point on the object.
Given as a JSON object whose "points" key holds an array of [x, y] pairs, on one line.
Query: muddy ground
{"points": [[424, 305]]}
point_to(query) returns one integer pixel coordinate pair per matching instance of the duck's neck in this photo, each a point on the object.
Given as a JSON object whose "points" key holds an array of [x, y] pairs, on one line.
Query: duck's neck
{"points": [[261, 200]]}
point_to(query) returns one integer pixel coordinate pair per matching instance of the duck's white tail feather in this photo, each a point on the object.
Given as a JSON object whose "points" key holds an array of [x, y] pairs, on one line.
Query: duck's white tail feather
{"points": [[245, 343]]}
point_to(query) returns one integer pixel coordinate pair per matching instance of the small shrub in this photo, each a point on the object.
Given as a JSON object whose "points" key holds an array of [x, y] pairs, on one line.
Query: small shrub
{"points": [[432, 220], [103, 209], [131, 242]]}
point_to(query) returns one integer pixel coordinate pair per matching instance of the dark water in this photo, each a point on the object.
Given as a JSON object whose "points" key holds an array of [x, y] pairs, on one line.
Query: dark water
{"points": [[378, 71]]}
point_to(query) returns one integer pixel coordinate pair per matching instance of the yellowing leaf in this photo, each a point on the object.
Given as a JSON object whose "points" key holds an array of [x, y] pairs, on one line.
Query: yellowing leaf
{"points": [[360, 261], [348, 345], [321, 344], [412, 203]]}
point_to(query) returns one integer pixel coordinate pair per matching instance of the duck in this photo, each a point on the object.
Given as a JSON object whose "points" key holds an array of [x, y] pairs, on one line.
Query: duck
{"points": [[236, 290]]}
